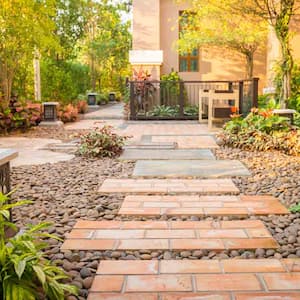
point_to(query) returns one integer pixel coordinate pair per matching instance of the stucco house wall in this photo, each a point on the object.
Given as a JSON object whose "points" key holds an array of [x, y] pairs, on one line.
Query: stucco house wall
{"points": [[155, 28]]}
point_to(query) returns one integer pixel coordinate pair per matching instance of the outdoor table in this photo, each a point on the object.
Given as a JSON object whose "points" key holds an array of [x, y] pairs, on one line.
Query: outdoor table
{"points": [[6, 155], [289, 113]]}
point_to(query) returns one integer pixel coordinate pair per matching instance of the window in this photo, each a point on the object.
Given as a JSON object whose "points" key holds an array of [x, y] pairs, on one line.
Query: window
{"points": [[188, 62]]}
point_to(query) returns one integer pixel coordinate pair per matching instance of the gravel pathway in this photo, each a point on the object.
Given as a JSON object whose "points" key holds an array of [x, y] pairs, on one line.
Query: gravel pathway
{"points": [[67, 191]]}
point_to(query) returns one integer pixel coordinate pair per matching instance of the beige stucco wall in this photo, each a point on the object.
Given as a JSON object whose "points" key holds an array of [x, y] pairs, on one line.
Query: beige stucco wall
{"points": [[214, 64], [146, 25], [155, 27]]}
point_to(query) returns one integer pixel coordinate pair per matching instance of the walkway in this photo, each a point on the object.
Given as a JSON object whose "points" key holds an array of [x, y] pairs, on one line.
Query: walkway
{"points": [[32, 151], [204, 189]]}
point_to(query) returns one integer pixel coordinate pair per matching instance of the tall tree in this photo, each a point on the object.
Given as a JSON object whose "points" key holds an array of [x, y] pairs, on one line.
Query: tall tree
{"points": [[216, 23], [107, 42], [25, 25], [70, 21], [279, 14]]}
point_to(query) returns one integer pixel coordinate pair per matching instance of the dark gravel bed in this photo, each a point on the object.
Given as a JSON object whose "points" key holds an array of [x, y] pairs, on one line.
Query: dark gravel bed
{"points": [[67, 191], [273, 173]]}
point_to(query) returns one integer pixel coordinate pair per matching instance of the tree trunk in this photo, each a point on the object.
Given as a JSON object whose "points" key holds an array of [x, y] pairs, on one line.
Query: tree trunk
{"points": [[93, 73], [250, 64], [286, 76], [281, 27], [6, 77]]}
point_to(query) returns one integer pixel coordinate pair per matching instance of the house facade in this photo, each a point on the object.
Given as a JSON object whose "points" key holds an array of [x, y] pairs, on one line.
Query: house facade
{"points": [[156, 30]]}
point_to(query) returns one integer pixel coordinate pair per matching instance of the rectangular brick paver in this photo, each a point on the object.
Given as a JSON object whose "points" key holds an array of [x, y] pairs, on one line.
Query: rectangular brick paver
{"points": [[159, 283], [168, 186], [227, 282], [168, 235], [253, 279], [268, 296], [147, 205]]}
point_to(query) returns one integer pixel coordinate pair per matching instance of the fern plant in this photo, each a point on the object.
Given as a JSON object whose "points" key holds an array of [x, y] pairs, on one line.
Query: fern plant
{"points": [[25, 273]]}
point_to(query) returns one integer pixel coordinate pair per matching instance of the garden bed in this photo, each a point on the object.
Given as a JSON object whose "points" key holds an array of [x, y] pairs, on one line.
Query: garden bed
{"points": [[66, 192]]}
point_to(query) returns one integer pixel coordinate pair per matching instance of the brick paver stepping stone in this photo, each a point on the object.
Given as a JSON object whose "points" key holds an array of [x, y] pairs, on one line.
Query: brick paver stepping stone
{"points": [[197, 279], [189, 168], [187, 205], [168, 235], [169, 186], [152, 154], [184, 141]]}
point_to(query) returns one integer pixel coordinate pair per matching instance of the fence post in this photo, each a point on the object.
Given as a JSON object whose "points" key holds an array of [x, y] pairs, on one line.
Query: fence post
{"points": [[255, 91], [181, 98], [241, 96], [132, 104]]}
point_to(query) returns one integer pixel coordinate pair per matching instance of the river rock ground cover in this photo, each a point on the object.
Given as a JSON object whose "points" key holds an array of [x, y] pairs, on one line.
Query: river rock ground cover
{"points": [[67, 191]]}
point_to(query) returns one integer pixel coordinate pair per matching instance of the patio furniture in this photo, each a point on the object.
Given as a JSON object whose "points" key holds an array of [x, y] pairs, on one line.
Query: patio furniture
{"points": [[217, 105], [6, 155], [288, 113]]}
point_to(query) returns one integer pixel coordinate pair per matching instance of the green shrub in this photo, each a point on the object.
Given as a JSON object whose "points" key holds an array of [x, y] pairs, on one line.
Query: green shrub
{"points": [[102, 98], [126, 96], [25, 273], [294, 100], [170, 88], [297, 119], [63, 80], [267, 101], [261, 130], [164, 111], [191, 110], [101, 143]]}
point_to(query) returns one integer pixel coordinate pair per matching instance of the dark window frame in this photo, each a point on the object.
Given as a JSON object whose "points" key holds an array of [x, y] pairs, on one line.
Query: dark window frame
{"points": [[189, 57]]}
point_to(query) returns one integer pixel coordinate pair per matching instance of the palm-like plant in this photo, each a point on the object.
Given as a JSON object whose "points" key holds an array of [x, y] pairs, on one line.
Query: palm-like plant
{"points": [[25, 273]]}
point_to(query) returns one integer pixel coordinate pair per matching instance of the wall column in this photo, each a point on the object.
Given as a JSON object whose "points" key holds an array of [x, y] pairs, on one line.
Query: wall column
{"points": [[146, 51], [273, 56]]}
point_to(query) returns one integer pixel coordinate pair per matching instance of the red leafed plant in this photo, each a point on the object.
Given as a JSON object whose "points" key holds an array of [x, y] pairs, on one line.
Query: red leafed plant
{"points": [[68, 113], [19, 115], [82, 107], [101, 142]]}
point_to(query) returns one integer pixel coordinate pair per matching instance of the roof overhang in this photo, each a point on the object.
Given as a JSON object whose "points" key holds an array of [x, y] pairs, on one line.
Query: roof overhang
{"points": [[146, 57]]}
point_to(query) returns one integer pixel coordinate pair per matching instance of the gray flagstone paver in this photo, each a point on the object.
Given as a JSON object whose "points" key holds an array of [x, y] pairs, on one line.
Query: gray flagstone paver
{"points": [[164, 154], [190, 168]]}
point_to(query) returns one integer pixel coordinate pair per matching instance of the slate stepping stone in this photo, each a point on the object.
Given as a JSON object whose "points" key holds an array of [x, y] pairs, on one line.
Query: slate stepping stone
{"points": [[189, 168], [162, 154]]}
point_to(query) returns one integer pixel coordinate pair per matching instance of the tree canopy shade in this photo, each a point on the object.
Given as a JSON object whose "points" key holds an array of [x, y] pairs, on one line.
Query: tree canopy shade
{"points": [[107, 42], [279, 14], [25, 25], [70, 20], [218, 23], [77, 39]]}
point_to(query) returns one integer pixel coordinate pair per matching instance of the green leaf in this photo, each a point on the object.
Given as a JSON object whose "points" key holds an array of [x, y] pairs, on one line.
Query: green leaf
{"points": [[5, 214], [40, 274], [20, 267]]}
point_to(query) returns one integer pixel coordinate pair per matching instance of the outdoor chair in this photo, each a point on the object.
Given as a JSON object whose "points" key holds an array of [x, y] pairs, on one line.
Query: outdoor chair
{"points": [[217, 105]]}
